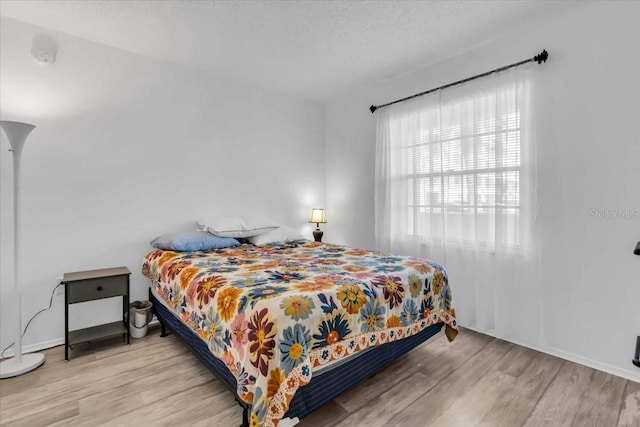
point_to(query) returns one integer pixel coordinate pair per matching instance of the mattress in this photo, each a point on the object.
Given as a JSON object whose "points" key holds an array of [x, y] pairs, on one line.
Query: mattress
{"points": [[276, 315]]}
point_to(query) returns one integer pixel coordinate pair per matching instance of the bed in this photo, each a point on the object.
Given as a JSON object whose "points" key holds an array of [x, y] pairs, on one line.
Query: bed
{"points": [[289, 326]]}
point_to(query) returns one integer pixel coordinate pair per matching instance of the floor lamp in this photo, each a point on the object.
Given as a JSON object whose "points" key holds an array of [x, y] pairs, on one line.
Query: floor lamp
{"points": [[21, 363], [636, 359]]}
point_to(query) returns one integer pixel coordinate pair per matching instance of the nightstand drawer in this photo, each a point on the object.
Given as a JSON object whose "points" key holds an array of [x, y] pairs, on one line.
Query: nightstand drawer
{"points": [[104, 287]]}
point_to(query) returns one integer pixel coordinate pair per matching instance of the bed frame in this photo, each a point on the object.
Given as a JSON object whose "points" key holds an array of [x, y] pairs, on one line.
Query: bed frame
{"points": [[322, 388]]}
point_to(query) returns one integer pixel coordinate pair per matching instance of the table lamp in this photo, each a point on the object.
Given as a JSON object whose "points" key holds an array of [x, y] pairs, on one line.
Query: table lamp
{"points": [[317, 216]]}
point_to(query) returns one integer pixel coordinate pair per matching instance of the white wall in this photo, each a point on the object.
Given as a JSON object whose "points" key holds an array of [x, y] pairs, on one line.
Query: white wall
{"points": [[588, 140], [127, 148]]}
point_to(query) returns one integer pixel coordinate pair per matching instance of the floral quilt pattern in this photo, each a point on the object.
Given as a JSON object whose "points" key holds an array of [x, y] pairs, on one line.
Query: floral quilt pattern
{"points": [[275, 313]]}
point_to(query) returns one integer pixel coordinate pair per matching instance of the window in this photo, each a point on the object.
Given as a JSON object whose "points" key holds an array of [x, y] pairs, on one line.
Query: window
{"points": [[456, 170]]}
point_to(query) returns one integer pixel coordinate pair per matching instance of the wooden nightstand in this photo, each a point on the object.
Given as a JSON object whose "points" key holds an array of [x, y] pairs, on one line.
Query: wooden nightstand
{"points": [[93, 285]]}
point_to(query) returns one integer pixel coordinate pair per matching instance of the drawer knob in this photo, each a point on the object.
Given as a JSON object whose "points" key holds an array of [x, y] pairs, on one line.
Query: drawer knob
{"points": [[99, 288]]}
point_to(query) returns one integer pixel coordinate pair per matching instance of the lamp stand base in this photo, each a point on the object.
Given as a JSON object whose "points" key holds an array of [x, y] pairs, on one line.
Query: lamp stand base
{"points": [[317, 235], [9, 368]]}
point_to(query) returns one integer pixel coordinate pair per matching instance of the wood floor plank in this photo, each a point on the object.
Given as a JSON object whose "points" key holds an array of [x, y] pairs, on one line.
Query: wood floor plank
{"points": [[231, 416], [630, 413], [474, 380], [61, 391], [84, 353], [476, 401], [356, 397], [601, 402], [515, 406], [46, 417], [558, 406], [424, 359], [378, 411], [56, 370], [119, 401], [329, 414], [448, 356], [428, 406], [175, 409], [54, 363], [65, 379], [142, 378]]}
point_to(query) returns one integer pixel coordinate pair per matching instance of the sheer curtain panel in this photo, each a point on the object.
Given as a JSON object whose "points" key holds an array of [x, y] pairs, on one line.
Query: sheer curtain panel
{"points": [[456, 183]]}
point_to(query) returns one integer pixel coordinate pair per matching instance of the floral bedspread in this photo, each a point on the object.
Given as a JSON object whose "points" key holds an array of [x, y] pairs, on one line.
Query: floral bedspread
{"points": [[274, 313]]}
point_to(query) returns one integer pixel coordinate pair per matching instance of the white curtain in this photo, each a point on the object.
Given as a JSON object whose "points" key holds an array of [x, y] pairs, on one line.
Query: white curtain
{"points": [[456, 183]]}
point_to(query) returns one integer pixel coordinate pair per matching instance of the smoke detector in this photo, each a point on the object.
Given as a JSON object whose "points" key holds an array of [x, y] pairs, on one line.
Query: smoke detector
{"points": [[44, 50]]}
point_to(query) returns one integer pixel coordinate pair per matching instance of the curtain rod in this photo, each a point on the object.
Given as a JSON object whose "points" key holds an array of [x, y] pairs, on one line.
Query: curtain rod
{"points": [[539, 58]]}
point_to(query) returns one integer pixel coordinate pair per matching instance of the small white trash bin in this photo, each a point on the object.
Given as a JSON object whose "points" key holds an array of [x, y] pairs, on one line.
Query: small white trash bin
{"points": [[139, 317]]}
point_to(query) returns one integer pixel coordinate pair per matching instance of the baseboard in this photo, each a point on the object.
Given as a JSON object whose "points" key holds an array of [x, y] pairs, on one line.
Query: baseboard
{"points": [[604, 367], [31, 348], [628, 374]]}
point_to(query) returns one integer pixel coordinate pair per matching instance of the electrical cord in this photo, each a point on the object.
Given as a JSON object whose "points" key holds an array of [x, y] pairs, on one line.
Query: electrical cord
{"points": [[53, 292]]}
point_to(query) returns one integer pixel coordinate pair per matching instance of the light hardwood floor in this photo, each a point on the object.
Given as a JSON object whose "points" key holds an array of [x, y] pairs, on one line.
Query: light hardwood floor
{"points": [[474, 381]]}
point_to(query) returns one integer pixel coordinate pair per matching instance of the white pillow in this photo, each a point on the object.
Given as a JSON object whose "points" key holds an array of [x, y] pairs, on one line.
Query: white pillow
{"points": [[237, 227], [282, 234]]}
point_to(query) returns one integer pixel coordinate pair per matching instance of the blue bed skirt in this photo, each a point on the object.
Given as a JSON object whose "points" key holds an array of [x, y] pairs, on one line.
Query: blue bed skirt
{"points": [[323, 386]]}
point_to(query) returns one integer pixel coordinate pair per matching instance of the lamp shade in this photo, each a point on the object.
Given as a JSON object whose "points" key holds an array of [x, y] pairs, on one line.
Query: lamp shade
{"points": [[317, 216], [17, 133]]}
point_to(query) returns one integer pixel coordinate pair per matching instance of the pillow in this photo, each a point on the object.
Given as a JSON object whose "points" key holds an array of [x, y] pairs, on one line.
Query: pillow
{"points": [[238, 227], [189, 241], [282, 234]]}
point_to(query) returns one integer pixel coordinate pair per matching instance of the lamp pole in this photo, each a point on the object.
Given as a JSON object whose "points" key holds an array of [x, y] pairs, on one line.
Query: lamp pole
{"points": [[17, 133], [636, 359]]}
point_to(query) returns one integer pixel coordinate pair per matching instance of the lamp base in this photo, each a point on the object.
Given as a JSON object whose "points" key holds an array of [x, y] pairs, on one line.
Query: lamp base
{"points": [[9, 368], [317, 235]]}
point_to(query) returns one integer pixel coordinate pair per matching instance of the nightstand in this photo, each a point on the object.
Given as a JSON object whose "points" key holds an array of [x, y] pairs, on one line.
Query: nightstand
{"points": [[93, 285]]}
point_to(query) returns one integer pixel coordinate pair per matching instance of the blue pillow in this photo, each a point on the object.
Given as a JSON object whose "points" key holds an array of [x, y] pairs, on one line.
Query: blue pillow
{"points": [[189, 241]]}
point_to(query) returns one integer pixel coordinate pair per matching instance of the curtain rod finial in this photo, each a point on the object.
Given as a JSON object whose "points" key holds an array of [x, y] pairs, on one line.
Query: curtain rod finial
{"points": [[373, 109], [541, 57]]}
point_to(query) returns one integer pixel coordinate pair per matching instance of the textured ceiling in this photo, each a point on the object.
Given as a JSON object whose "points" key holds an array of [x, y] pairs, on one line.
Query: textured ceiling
{"points": [[311, 49]]}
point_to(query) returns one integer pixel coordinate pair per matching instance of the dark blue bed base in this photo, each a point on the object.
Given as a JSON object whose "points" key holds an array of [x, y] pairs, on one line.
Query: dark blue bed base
{"points": [[322, 388]]}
